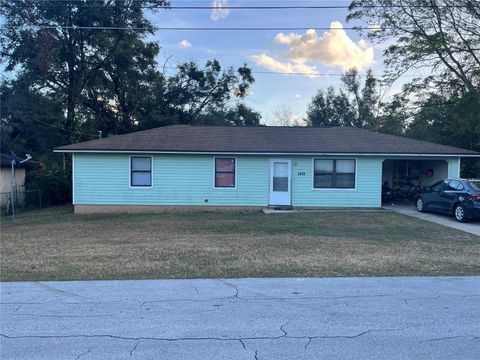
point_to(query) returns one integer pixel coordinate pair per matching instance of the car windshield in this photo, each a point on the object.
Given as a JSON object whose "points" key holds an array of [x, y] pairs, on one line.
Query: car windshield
{"points": [[475, 184]]}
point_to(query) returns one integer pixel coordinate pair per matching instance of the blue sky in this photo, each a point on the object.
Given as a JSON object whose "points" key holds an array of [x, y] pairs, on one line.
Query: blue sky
{"points": [[310, 51]]}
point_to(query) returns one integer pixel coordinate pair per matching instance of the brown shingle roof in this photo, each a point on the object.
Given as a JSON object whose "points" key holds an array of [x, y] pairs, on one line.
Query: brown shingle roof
{"points": [[217, 139]]}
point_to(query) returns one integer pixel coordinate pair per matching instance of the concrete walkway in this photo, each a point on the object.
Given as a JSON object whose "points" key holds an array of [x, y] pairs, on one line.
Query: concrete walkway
{"points": [[446, 220], [341, 318]]}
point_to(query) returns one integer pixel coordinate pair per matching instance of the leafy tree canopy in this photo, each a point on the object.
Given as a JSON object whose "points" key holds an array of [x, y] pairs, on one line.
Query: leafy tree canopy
{"points": [[442, 36], [354, 105]]}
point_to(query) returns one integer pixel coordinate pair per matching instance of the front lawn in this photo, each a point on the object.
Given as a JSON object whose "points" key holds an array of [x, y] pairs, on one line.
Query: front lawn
{"points": [[55, 244]]}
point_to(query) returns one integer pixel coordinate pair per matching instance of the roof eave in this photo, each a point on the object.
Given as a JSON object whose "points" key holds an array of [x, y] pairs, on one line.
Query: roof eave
{"points": [[309, 153]]}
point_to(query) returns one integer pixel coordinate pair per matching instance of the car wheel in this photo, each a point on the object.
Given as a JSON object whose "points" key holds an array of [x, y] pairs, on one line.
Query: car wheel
{"points": [[420, 205], [459, 213]]}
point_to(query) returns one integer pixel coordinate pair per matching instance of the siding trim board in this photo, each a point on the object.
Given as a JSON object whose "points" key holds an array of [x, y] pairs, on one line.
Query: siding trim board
{"points": [[73, 179], [389, 155]]}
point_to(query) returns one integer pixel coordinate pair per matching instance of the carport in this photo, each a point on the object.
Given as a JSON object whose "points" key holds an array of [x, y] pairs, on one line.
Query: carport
{"points": [[405, 176]]}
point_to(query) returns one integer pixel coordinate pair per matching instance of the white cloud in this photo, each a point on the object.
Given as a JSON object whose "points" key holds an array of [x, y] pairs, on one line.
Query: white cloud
{"points": [[219, 12], [298, 96], [185, 44], [333, 48], [283, 67]]}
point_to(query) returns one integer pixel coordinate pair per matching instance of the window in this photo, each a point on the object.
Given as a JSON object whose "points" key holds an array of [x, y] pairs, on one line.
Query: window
{"points": [[280, 176], [141, 171], [334, 173], [475, 184], [439, 186], [455, 186], [225, 172], [452, 185]]}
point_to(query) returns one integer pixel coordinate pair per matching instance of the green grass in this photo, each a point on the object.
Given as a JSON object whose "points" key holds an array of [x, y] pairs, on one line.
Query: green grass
{"points": [[54, 244]]}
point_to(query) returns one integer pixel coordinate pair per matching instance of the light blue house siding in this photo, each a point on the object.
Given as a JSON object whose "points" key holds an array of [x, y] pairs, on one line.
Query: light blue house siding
{"points": [[367, 192], [104, 179]]}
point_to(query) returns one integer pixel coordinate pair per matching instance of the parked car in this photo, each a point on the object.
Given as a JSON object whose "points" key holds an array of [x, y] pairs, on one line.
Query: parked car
{"points": [[459, 197]]}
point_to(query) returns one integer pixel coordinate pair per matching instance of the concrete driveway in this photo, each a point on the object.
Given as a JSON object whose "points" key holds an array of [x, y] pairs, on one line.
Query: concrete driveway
{"points": [[340, 318], [446, 220]]}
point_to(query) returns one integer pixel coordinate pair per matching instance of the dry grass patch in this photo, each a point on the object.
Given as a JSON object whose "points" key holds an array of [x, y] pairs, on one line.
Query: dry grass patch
{"points": [[54, 244]]}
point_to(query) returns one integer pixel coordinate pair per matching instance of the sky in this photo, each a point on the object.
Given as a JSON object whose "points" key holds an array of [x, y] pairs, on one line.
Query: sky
{"points": [[276, 52]]}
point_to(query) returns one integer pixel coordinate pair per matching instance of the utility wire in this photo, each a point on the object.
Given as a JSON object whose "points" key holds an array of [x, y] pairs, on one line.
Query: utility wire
{"points": [[306, 74], [63, 129], [167, 28], [208, 29], [81, 3]]}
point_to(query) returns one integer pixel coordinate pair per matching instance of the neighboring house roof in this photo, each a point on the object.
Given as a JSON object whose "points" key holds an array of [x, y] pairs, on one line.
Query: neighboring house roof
{"points": [[6, 161], [267, 139]]}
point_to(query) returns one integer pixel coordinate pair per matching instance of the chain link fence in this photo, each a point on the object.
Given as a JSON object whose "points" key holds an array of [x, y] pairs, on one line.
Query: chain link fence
{"points": [[22, 199]]}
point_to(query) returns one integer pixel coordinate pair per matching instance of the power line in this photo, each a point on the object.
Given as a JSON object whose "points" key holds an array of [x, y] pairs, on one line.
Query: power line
{"points": [[167, 28], [321, 74], [63, 129], [209, 29], [307, 74], [82, 3]]}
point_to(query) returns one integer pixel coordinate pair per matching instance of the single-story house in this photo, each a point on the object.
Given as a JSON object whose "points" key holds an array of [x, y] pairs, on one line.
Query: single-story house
{"points": [[185, 165]]}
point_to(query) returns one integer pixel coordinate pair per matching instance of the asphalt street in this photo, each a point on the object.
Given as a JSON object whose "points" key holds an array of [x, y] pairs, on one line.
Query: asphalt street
{"points": [[313, 318]]}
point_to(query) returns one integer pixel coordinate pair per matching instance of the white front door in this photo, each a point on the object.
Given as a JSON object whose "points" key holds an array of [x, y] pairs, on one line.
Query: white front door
{"points": [[280, 182]]}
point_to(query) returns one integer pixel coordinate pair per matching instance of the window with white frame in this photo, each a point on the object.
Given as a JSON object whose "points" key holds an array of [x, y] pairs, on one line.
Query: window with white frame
{"points": [[141, 171], [224, 172], [334, 173]]}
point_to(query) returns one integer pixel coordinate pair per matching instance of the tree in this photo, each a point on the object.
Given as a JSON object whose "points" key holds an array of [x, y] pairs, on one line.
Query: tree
{"points": [[443, 37], [242, 115], [393, 116], [194, 92], [238, 115], [117, 102], [284, 116], [440, 35], [61, 47], [29, 120], [449, 119], [365, 100], [356, 106]]}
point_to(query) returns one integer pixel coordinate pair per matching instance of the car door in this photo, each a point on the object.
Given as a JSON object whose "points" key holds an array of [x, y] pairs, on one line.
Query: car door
{"points": [[432, 197], [449, 196]]}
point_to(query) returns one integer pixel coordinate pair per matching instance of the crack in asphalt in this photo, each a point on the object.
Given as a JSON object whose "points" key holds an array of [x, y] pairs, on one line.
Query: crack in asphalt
{"points": [[72, 302], [255, 356], [241, 339], [135, 347], [474, 337], [236, 296], [243, 344], [424, 298], [63, 316], [84, 353]]}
